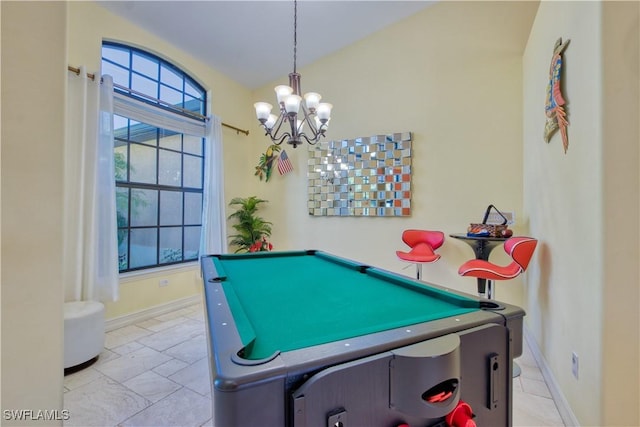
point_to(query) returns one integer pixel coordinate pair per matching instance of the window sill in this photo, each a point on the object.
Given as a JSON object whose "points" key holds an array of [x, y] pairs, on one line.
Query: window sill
{"points": [[150, 273]]}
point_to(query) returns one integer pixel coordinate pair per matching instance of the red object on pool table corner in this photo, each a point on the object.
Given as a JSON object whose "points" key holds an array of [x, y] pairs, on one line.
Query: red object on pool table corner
{"points": [[461, 416]]}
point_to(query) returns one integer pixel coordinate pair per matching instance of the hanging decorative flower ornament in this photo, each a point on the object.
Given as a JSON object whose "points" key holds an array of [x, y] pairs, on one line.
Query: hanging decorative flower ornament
{"points": [[554, 105]]}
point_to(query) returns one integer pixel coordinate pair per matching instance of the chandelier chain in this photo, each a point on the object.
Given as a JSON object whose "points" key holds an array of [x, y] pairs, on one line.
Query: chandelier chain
{"points": [[295, 33]]}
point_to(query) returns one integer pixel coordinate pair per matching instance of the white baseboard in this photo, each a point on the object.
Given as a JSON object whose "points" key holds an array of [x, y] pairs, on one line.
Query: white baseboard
{"points": [[567, 415], [148, 313]]}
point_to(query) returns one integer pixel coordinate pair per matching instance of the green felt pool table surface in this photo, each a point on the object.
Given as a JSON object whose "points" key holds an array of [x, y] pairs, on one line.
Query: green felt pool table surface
{"points": [[283, 301]]}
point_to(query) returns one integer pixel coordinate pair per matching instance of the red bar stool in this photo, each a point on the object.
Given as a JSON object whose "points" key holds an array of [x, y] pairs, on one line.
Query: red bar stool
{"points": [[520, 249], [423, 244]]}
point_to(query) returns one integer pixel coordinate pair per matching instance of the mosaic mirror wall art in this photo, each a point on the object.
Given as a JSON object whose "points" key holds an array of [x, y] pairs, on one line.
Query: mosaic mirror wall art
{"points": [[368, 176]]}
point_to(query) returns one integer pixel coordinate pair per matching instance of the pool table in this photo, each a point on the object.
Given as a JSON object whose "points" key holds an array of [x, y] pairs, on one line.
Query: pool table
{"points": [[306, 339]]}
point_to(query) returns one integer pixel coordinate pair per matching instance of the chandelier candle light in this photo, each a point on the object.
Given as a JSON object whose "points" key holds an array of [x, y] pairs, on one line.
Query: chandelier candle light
{"points": [[316, 114]]}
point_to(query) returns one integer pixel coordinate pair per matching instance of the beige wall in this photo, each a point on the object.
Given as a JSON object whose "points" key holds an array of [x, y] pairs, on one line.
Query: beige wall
{"points": [[33, 90], [455, 76], [452, 75], [89, 24], [621, 196], [582, 290], [147, 290]]}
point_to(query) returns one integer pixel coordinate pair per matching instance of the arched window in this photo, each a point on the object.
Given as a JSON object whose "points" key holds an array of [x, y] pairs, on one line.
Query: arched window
{"points": [[159, 121]]}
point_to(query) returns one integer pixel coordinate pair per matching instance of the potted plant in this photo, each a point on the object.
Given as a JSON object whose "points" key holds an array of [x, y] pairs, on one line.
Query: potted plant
{"points": [[252, 230]]}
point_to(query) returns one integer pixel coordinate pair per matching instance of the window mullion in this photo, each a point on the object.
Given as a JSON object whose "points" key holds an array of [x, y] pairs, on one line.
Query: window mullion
{"points": [[129, 228], [182, 186], [158, 229], [158, 241]]}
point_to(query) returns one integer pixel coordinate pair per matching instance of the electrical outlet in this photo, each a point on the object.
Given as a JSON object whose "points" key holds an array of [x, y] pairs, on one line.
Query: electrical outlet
{"points": [[575, 364], [163, 282]]}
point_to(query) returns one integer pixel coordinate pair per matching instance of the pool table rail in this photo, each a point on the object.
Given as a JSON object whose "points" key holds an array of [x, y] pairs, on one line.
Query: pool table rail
{"points": [[233, 371]]}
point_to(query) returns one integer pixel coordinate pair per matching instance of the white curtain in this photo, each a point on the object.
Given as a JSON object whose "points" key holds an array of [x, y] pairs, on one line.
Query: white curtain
{"points": [[214, 225], [213, 232], [90, 228]]}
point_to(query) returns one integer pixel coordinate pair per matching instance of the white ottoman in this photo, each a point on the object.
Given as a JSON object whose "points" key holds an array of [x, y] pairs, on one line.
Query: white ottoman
{"points": [[83, 331]]}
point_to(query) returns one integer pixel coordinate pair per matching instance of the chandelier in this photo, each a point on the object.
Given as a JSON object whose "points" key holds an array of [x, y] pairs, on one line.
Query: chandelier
{"points": [[290, 125]]}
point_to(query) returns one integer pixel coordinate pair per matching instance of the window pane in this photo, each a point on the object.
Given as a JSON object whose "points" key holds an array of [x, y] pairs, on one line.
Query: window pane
{"points": [[144, 244], [192, 171], [171, 96], [191, 242], [170, 244], [143, 133], [122, 206], [170, 169], [193, 104], [120, 127], [123, 255], [144, 207], [145, 65], [191, 89], [169, 77], [120, 159], [192, 208], [142, 164], [117, 55], [146, 86], [170, 208], [193, 144], [120, 75], [143, 72], [170, 140]]}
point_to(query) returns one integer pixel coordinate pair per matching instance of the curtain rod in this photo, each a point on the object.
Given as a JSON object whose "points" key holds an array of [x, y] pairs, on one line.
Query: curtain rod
{"points": [[93, 77]]}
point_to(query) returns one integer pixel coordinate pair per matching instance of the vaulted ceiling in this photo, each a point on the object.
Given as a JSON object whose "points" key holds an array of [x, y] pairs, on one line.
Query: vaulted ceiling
{"points": [[252, 41]]}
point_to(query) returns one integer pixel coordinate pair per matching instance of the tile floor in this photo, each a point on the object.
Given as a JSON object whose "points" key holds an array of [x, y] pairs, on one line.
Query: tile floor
{"points": [[155, 373]]}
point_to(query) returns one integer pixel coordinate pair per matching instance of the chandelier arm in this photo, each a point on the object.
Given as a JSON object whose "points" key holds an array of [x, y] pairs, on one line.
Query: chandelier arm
{"points": [[277, 126], [280, 140], [304, 109], [311, 141], [303, 135], [308, 119], [314, 136], [303, 121], [312, 125], [306, 113]]}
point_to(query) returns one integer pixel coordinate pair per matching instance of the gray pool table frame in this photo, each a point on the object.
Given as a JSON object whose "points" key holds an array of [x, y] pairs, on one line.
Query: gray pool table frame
{"points": [[260, 393]]}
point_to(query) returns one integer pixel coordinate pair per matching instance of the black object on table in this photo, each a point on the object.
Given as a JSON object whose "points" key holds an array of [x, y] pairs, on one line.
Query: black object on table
{"points": [[482, 247]]}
